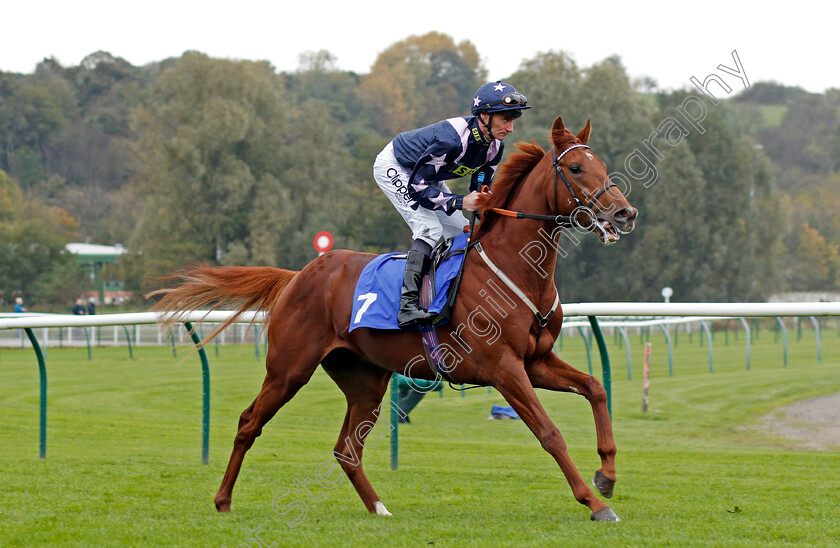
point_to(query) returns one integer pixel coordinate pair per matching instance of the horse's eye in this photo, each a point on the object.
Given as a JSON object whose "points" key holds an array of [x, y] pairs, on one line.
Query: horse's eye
{"points": [[574, 168]]}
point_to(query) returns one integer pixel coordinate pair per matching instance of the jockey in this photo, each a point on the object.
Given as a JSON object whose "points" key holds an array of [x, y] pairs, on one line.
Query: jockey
{"points": [[412, 168]]}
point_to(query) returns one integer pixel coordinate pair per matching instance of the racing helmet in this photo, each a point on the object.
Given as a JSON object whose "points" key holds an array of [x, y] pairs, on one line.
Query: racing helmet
{"points": [[498, 97]]}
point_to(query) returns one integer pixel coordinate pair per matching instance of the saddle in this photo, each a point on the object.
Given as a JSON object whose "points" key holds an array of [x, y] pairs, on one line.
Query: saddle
{"points": [[376, 297]]}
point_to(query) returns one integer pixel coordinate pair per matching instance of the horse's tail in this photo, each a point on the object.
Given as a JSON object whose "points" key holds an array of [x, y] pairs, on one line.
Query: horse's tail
{"points": [[239, 288]]}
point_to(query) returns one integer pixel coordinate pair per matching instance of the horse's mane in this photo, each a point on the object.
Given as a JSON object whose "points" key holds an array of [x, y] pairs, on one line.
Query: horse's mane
{"points": [[510, 174]]}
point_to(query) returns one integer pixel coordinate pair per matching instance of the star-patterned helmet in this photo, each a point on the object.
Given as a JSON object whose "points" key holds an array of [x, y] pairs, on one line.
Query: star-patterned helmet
{"points": [[498, 97]]}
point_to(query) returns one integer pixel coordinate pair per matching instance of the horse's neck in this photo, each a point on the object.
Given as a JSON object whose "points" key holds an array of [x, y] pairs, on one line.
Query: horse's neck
{"points": [[525, 249]]}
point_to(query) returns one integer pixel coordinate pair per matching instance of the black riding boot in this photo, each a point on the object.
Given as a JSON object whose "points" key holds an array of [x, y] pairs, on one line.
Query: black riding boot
{"points": [[411, 315]]}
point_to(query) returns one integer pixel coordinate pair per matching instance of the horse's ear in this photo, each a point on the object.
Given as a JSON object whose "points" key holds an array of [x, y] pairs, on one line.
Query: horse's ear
{"points": [[584, 133], [557, 130]]}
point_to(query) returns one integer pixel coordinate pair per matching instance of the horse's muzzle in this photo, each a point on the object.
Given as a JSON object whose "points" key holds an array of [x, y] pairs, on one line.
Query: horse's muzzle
{"points": [[624, 220]]}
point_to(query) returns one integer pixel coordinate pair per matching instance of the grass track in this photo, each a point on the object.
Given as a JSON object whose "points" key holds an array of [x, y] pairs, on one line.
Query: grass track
{"points": [[123, 456]]}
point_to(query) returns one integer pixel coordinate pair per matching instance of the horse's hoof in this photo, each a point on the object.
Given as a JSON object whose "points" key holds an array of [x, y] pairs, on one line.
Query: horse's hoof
{"points": [[603, 484], [605, 514], [380, 509], [222, 507]]}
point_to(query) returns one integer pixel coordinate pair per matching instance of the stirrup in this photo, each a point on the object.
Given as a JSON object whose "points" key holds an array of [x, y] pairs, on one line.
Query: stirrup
{"points": [[416, 317]]}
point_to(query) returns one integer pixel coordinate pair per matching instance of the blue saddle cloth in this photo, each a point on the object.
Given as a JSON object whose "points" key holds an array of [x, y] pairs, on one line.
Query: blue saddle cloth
{"points": [[376, 299]]}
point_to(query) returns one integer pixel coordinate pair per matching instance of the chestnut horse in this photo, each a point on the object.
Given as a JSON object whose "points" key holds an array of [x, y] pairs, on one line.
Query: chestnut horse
{"points": [[494, 338]]}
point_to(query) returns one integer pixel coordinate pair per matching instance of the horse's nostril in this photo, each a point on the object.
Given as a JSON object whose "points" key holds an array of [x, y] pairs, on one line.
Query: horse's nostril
{"points": [[625, 215]]}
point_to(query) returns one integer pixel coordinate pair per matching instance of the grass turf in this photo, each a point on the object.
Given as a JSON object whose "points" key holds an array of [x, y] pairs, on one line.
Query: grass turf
{"points": [[123, 456]]}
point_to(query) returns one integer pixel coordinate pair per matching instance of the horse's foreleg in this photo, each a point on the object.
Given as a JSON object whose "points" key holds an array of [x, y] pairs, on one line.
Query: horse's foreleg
{"points": [[552, 373], [363, 385], [515, 386]]}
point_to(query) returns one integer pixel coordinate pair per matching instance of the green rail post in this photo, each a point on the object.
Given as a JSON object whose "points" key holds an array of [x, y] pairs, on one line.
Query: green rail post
{"points": [[627, 349], [781, 325], [42, 371], [87, 338], [670, 351], [395, 425], [709, 340], [819, 345], [588, 350], [605, 360], [128, 338], [256, 342], [216, 343], [205, 401], [747, 336]]}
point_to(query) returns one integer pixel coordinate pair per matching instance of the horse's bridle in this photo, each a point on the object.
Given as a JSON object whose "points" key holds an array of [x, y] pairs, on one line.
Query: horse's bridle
{"points": [[567, 221], [558, 170]]}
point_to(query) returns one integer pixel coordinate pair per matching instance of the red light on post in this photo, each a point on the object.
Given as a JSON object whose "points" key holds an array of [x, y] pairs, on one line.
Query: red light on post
{"points": [[323, 242]]}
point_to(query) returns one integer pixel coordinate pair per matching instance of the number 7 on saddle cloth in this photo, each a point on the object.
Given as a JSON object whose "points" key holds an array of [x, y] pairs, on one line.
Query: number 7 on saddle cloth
{"points": [[376, 299]]}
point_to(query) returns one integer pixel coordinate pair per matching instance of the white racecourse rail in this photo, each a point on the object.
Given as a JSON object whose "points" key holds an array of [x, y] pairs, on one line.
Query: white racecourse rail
{"points": [[697, 311], [733, 310]]}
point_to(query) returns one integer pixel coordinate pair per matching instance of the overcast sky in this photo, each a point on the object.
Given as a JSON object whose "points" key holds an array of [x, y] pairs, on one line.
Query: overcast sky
{"points": [[668, 41]]}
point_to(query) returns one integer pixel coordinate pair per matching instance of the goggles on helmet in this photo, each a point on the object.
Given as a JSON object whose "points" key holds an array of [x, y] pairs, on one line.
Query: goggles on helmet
{"points": [[510, 100]]}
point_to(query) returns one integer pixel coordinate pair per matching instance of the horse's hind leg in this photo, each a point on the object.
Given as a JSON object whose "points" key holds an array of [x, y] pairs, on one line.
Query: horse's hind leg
{"points": [[363, 385], [280, 385], [552, 373]]}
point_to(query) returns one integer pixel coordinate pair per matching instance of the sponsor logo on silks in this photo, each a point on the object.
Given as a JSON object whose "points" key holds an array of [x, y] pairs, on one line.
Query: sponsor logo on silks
{"points": [[480, 177], [463, 171], [399, 187], [476, 134]]}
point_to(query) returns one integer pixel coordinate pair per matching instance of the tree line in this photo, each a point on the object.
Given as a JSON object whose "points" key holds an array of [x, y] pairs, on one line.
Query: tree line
{"points": [[231, 162]]}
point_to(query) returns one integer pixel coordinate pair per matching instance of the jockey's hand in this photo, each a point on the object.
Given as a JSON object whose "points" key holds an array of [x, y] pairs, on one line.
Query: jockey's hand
{"points": [[471, 201]]}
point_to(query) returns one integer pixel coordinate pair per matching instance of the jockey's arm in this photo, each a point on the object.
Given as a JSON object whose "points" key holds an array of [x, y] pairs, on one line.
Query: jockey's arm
{"points": [[424, 185]]}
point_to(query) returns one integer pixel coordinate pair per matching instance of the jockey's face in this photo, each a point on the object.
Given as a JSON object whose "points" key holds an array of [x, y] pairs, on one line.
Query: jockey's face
{"points": [[500, 126]]}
